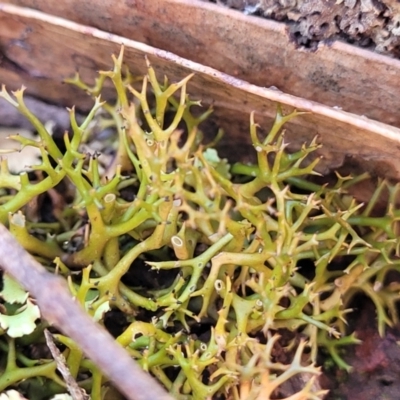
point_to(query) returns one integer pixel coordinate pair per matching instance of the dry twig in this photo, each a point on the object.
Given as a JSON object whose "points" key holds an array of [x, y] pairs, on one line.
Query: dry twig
{"points": [[58, 308]]}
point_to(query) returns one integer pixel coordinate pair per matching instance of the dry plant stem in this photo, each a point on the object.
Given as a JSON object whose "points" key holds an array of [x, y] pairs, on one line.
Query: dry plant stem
{"points": [[76, 392], [58, 308]]}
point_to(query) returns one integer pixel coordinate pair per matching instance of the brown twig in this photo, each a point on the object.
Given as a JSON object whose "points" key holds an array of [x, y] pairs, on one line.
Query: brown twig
{"points": [[75, 391], [58, 308]]}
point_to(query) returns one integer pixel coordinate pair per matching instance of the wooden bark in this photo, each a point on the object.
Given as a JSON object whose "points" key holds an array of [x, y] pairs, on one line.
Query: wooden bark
{"points": [[40, 50], [256, 50]]}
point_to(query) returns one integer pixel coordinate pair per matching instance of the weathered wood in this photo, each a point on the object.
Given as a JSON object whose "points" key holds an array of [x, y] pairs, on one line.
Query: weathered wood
{"points": [[40, 50], [250, 48]]}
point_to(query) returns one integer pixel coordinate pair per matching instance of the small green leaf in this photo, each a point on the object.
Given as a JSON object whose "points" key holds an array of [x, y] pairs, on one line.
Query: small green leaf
{"points": [[12, 291], [22, 323], [220, 164], [11, 395], [101, 310], [62, 396], [211, 156]]}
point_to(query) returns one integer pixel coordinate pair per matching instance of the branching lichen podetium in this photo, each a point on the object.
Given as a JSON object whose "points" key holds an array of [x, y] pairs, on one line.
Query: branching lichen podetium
{"points": [[229, 243]]}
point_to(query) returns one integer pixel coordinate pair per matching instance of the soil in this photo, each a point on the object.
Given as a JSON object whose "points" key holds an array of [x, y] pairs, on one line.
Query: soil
{"points": [[374, 24], [375, 362]]}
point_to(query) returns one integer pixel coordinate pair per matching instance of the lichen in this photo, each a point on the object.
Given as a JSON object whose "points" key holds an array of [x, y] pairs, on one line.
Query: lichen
{"points": [[253, 261]]}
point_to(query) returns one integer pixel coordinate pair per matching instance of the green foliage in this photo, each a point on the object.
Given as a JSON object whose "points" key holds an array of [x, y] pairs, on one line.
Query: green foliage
{"points": [[21, 321], [231, 244], [17, 319]]}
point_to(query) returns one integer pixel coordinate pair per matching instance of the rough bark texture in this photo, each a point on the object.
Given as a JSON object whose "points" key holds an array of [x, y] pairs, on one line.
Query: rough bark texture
{"points": [[368, 23], [367, 145], [257, 50]]}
